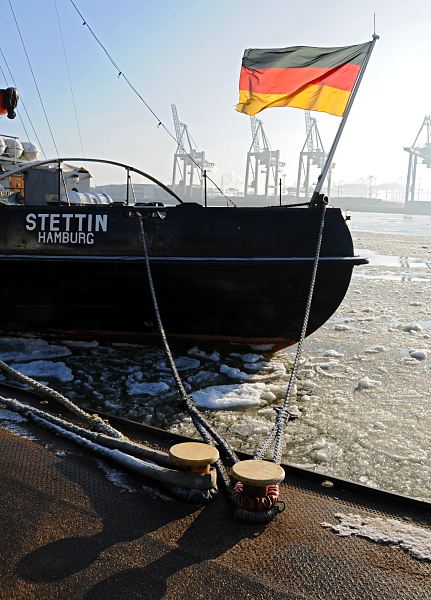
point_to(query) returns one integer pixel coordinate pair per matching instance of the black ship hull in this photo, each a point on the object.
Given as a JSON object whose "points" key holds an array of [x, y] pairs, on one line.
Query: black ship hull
{"points": [[220, 273]]}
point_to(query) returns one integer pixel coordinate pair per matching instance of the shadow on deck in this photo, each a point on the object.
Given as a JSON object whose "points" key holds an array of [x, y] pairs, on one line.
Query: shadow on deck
{"points": [[67, 532]]}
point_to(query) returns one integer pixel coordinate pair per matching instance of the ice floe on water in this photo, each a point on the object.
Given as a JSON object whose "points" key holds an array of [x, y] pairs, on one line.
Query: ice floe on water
{"points": [[183, 363], [20, 349], [374, 349], [262, 347], [419, 354], [81, 343], [415, 540], [366, 383], [148, 389], [414, 355], [276, 371], [45, 369], [412, 327], [222, 397], [257, 366], [333, 354], [247, 358], [342, 327], [213, 356], [203, 378]]}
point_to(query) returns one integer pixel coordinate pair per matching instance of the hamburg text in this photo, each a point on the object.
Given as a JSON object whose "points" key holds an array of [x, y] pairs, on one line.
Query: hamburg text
{"points": [[66, 228]]}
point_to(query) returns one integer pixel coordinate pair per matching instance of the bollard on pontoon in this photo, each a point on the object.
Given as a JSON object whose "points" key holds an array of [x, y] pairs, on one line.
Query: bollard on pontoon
{"points": [[256, 492], [194, 456]]}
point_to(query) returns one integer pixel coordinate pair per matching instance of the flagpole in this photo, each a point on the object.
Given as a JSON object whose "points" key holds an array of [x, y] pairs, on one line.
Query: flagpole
{"points": [[331, 153]]}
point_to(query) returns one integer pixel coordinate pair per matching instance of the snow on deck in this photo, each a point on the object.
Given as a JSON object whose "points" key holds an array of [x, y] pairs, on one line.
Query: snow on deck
{"points": [[416, 540]]}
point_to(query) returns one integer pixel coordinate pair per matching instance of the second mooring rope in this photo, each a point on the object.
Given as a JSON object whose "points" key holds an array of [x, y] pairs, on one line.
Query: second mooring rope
{"points": [[92, 420], [207, 432], [276, 434]]}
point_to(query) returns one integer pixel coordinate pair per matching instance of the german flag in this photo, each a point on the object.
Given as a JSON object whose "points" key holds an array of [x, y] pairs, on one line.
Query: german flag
{"points": [[301, 76]]}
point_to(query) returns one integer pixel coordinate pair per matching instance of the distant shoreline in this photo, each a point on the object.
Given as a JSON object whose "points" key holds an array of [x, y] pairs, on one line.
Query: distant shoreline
{"points": [[416, 210], [380, 206]]}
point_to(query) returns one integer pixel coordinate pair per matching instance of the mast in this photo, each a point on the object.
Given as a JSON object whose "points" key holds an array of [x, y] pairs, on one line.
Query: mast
{"points": [[331, 153]]}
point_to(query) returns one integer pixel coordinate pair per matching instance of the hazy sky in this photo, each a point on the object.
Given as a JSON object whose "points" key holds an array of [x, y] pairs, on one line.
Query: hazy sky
{"points": [[189, 52]]}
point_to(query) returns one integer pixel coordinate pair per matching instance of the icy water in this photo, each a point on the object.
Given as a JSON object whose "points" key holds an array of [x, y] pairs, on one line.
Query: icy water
{"points": [[363, 393], [388, 223]]}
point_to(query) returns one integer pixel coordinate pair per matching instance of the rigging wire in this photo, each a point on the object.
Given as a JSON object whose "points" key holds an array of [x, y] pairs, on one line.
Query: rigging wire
{"points": [[139, 95], [34, 78], [17, 112], [4, 76], [23, 105], [68, 75]]}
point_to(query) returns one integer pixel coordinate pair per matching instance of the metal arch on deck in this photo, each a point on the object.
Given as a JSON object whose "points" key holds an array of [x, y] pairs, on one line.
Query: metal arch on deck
{"points": [[128, 168]]}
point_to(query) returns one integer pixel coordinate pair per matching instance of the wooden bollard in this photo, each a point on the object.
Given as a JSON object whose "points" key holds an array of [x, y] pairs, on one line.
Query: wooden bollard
{"points": [[194, 456], [257, 475]]}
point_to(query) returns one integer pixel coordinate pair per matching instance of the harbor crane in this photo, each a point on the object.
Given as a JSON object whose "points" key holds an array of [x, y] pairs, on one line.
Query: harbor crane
{"points": [[416, 152], [261, 160], [188, 162], [312, 155]]}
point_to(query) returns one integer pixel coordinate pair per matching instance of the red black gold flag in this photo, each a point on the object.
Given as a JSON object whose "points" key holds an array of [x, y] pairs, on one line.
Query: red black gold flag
{"points": [[301, 76]]}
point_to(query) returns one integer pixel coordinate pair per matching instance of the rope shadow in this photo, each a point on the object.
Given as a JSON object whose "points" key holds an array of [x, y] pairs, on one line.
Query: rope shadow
{"points": [[211, 534], [123, 517], [127, 517]]}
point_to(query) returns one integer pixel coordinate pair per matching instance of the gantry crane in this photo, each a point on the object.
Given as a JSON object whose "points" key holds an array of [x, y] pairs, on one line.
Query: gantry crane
{"points": [[188, 161], [312, 154], [261, 160], [416, 151]]}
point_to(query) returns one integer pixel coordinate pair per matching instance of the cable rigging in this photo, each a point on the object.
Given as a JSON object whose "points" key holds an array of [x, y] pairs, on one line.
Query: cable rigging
{"points": [[34, 78], [160, 123], [68, 75], [23, 105], [17, 112]]}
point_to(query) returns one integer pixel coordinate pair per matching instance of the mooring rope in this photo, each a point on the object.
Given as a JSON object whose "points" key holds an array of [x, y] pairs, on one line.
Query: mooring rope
{"points": [[124, 443], [92, 420], [207, 432], [110, 443], [191, 487], [265, 508], [276, 434]]}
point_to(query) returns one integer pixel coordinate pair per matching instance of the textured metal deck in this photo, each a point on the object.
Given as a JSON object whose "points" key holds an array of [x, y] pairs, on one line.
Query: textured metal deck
{"points": [[67, 532]]}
